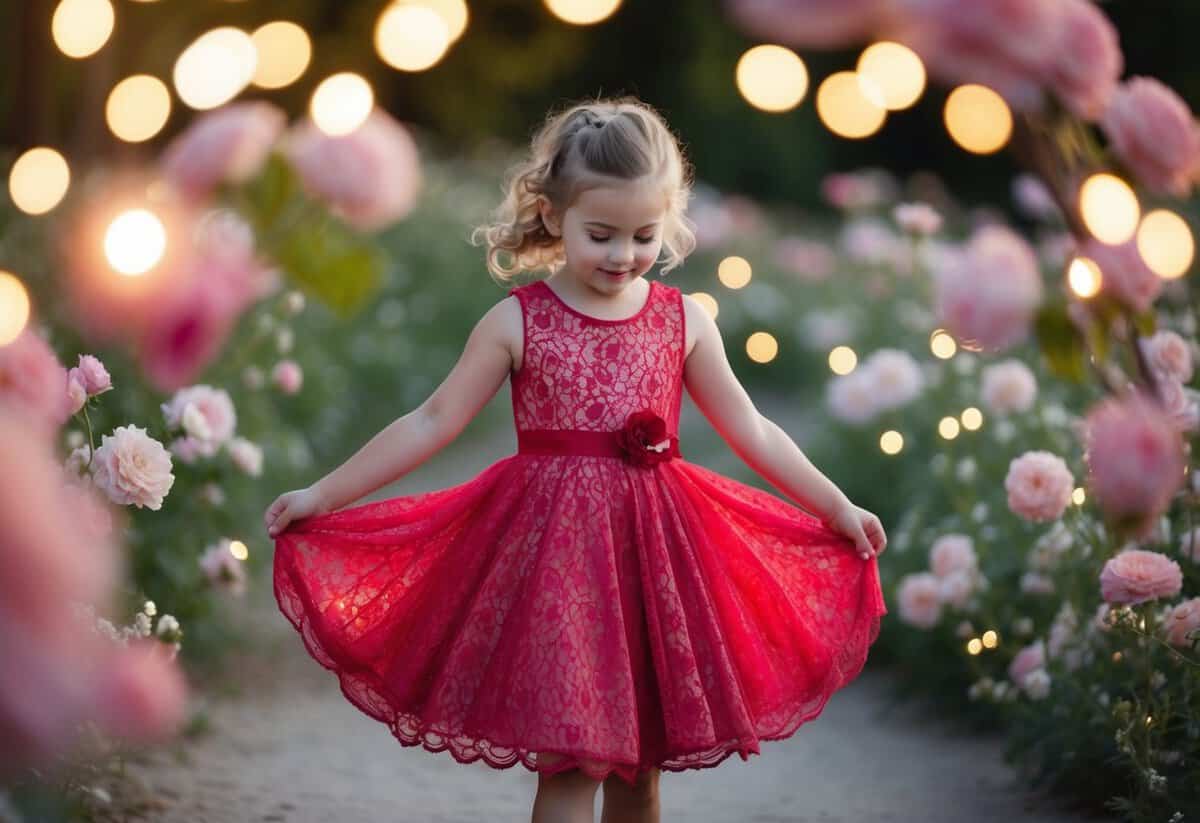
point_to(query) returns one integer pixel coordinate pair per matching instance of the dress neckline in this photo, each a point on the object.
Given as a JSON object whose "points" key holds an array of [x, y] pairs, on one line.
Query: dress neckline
{"points": [[649, 299]]}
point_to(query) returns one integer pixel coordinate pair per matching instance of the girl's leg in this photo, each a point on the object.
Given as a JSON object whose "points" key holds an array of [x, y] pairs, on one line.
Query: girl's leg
{"points": [[631, 804], [566, 797]]}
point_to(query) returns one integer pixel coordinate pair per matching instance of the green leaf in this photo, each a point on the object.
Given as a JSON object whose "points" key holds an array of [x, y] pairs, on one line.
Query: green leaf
{"points": [[332, 263], [1060, 344], [1145, 322], [266, 195]]}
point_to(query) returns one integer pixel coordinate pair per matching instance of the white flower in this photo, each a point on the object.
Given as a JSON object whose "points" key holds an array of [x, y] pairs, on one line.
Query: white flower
{"points": [[1037, 684], [195, 424], [248, 456], [133, 468]]}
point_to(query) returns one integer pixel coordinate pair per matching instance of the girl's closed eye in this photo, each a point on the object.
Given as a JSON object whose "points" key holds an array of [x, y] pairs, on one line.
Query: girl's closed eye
{"points": [[642, 240]]}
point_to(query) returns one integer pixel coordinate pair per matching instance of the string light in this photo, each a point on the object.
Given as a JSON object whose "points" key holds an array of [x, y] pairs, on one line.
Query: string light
{"points": [[215, 68], [14, 307], [342, 103], [1109, 208], [707, 301], [896, 70], [582, 12], [891, 442], [411, 37], [138, 107], [850, 105], [284, 53], [80, 28], [762, 347], [772, 78], [734, 272], [1165, 243], [39, 180], [135, 242], [1084, 277], [842, 360], [978, 119], [942, 344]]}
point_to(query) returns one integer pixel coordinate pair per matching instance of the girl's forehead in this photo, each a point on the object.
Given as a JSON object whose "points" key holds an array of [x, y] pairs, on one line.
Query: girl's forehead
{"points": [[622, 204]]}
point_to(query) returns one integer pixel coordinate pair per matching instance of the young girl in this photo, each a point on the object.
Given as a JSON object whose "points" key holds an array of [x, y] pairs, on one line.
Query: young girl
{"points": [[594, 606]]}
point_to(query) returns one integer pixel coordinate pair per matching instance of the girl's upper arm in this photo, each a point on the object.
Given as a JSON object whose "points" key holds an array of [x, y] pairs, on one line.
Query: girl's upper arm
{"points": [[481, 369], [711, 383]]}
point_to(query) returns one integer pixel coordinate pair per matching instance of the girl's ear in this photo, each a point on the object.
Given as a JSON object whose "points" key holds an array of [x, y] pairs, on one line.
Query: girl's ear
{"points": [[549, 219]]}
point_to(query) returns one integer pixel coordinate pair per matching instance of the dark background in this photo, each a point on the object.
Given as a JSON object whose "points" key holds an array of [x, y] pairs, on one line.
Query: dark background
{"points": [[516, 61]]}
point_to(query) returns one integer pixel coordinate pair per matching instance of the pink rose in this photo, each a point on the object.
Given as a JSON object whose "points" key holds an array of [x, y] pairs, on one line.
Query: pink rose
{"points": [[133, 468], [956, 587], [1154, 133], [1168, 354], [1134, 457], [1124, 274], [988, 293], [1087, 62], [851, 397], [1008, 386], [919, 596], [811, 260], [917, 218], [951, 553], [809, 23], [95, 377], [1028, 659], [228, 144], [145, 693], [1182, 621], [32, 379], [1179, 403], [1039, 486], [370, 177], [214, 405], [222, 568], [246, 455], [1136, 575], [895, 376], [288, 376], [76, 391]]}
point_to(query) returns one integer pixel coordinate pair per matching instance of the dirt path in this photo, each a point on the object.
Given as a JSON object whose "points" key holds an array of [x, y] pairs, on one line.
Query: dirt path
{"points": [[291, 749]]}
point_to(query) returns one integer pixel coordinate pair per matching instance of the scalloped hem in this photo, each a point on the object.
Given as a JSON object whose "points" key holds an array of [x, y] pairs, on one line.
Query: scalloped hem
{"points": [[466, 749]]}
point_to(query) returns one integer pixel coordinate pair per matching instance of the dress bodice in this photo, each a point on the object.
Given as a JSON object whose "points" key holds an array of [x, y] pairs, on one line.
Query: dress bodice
{"points": [[587, 373]]}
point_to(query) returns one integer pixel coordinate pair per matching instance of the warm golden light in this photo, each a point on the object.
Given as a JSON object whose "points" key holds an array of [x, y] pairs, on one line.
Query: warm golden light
{"points": [[14, 308], [238, 549], [454, 12], [215, 68], [1109, 208], [978, 119], [772, 78], [582, 12], [707, 301], [39, 180], [761, 347], [1165, 242], [1084, 277], [284, 52], [342, 103], [896, 70], [135, 242], [1078, 496], [948, 428], [850, 105], [81, 27], [842, 360], [411, 37], [972, 418], [138, 108], [990, 638], [974, 646], [891, 442], [734, 272], [942, 344]]}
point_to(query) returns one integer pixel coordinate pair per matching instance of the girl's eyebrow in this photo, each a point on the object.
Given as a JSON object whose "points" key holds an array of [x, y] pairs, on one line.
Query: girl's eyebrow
{"points": [[606, 226]]}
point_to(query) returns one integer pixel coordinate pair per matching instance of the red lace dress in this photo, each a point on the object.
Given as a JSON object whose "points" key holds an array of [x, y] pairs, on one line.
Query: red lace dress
{"points": [[588, 595]]}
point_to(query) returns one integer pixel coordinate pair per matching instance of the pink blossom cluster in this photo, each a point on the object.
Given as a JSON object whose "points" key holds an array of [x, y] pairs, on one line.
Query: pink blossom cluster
{"points": [[952, 578]]}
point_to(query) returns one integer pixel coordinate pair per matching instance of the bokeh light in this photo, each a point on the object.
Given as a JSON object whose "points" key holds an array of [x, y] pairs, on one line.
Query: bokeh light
{"points": [[81, 27], [762, 347], [215, 68], [948, 428], [891, 442], [850, 105], [978, 119], [284, 52], [39, 180], [1165, 242], [734, 272], [582, 12], [972, 418], [14, 307], [342, 103], [411, 37], [896, 70], [772, 78], [1109, 208], [842, 360], [135, 242], [138, 107], [707, 301], [942, 344], [238, 549], [1084, 277], [454, 13]]}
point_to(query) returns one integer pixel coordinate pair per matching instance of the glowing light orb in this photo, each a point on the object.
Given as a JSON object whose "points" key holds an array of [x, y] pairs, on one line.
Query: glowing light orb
{"points": [[891, 442], [14, 308], [978, 119], [707, 301], [342, 103], [411, 37], [772, 78], [80, 28], [138, 107], [582, 12], [942, 344], [1084, 277], [1165, 243], [1109, 208], [896, 70], [284, 52], [215, 68], [842, 360], [39, 180], [948, 428], [135, 242], [850, 105], [762, 347], [734, 272]]}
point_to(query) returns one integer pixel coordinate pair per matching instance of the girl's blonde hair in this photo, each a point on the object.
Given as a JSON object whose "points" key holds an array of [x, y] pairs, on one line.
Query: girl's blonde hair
{"points": [[572, 151]]}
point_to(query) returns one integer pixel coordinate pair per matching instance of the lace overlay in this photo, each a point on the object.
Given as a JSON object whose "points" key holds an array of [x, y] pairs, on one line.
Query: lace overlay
{"points": [[622, 617]]}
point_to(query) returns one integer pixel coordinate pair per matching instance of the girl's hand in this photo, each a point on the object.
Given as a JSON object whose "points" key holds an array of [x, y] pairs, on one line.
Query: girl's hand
{"points": [[861, 526], [291, 506]]}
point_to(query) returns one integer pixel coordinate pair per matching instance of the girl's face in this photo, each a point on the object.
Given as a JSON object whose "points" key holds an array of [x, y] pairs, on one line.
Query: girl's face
{"points": [[612, 234]]}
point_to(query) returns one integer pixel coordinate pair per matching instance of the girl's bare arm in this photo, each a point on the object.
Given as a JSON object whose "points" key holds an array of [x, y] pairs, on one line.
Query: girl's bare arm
{"points": [[765, 448], [412, 439]]}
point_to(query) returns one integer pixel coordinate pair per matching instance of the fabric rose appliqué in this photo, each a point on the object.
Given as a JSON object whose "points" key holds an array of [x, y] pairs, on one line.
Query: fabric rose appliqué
{"points": [[645, 441]]}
